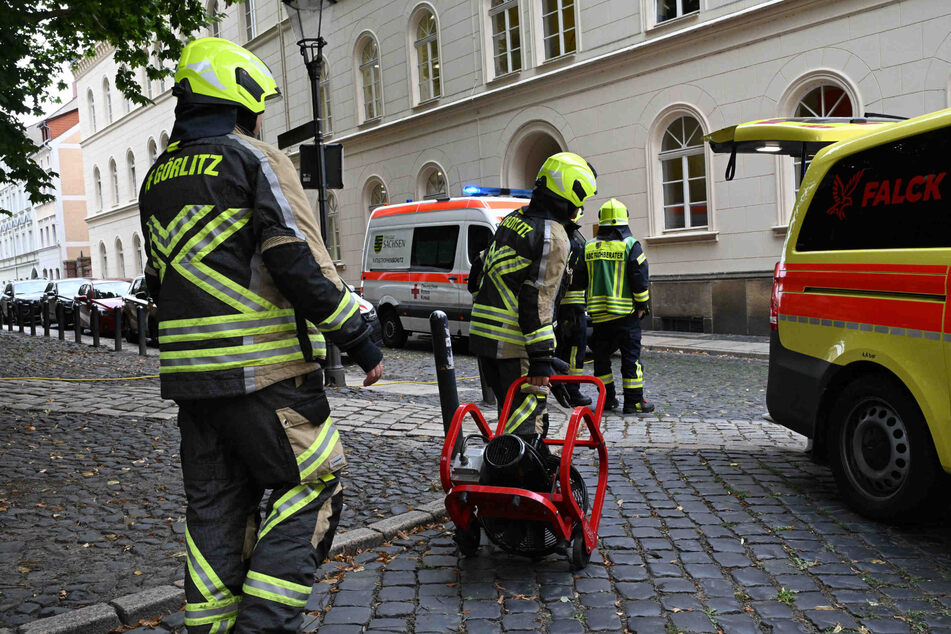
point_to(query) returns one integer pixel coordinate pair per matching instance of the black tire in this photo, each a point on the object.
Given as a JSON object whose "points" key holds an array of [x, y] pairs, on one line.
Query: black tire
{"points": [[468, 540], [579, 555], [881, 452], [393, 334]]}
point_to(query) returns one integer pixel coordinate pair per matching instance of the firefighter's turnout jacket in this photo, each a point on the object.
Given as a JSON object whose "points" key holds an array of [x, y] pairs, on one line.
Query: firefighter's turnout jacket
{"points": [[571, 330], [618, 280], [521, 275], [232, 249]]}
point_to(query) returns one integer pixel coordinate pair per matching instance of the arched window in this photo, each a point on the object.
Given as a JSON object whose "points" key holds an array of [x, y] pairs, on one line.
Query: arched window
{"points": [[114, 179], [92, 110], [107, 100], [506, 37], [137, 247], [103, 261], [153, 152], [325, 111], [57, 272], [120, 259], [558, 27], [371, 80], [97, 186], [824, 100], [683, 175], [164, 140], [376, 195], [333, 228], [431, 183], [426, 49], [130, 160], [146, 83]]}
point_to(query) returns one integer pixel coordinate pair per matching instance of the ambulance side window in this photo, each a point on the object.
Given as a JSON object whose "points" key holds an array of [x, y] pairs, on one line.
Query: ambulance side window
{"points": [[435, 247], [478, 240], [892, 196]]}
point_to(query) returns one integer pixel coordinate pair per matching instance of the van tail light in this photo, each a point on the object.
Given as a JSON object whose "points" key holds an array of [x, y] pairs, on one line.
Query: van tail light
{"points": [[774, 300]]}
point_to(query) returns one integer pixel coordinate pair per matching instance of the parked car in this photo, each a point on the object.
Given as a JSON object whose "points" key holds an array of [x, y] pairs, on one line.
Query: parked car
{"points": [[103, 296], [61, 293], [18, 292], [138, 295]]}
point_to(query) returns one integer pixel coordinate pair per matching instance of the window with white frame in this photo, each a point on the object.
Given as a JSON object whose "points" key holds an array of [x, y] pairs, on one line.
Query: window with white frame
{"points": [[559, 31], [107, 100], [97, 186], [325, 112], [103, 261], [371, 80], [433, 181], [137, 247], [130, 159], [215, 27], [146, 83], [333, 228], [250, 26], [114, 179], [164, 140], [506, 36], [120, 259], [92, 110], [377, 195], [153, 152], [426, 47], [825, 100], [670, 9], [683, 175]]}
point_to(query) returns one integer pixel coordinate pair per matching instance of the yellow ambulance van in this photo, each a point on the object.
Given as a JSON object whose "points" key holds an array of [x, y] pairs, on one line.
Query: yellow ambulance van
{"points": [[417, 256], [860, 343]]}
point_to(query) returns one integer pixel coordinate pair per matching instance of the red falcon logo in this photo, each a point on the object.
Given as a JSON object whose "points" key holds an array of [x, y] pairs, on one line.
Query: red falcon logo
{"points": [[843, 194]]}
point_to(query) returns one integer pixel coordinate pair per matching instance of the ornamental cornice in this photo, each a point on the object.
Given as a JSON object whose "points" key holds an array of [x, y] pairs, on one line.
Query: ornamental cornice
{"points": [[84, 65]]}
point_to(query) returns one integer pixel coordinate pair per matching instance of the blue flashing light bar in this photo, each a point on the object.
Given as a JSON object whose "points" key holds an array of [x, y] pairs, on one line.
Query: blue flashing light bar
{"points": [[475, 190]]}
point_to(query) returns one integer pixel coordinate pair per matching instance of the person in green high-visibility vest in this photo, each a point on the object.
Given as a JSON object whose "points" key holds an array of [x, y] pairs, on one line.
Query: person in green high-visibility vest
{"points": [[618, 297]]}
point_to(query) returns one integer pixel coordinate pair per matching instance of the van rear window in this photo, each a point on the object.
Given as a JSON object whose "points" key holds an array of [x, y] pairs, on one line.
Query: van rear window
{"points": [[894, 196], [435, 247]]}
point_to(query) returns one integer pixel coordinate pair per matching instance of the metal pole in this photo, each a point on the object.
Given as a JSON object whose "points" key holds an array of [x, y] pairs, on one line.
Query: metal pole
{"points": [[61, 320], [94, 325], [45, 312], [117, 330], [20, 318], [31, 310], [77, 326], [445, 371], [142, 318]]}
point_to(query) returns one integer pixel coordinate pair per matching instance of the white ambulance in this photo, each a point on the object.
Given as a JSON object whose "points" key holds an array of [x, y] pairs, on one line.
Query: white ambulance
{"points": [[417, 255]]}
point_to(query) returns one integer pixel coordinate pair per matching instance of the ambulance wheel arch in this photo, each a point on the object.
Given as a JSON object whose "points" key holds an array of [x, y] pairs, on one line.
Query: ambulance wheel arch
{"points": [[880, 450]]}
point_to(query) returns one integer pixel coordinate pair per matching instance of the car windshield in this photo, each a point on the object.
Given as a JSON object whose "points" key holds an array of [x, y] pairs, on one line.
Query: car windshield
{"points": [[22, 288], [69, 289], [105, 290]]}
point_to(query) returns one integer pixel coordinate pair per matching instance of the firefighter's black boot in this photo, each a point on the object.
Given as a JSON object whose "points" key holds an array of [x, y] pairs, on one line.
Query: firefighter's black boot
{"points": [[643, 406]]}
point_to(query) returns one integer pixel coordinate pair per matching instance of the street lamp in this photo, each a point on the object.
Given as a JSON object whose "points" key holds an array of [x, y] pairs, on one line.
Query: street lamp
{"points": [[311, 49]]}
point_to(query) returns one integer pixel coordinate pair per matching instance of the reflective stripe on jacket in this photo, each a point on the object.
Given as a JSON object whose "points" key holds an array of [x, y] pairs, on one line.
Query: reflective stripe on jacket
{"points": [[611, 265]]}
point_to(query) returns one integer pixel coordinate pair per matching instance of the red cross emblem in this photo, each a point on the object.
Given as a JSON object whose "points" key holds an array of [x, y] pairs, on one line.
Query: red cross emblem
{"points": [[415, 291]]}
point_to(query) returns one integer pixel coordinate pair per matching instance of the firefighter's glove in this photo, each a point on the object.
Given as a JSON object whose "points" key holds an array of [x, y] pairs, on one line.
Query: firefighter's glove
{"points": [[642, 306]]}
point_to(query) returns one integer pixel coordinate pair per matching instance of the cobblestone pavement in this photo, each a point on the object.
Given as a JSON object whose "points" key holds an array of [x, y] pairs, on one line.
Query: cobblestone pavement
{"points": [[691, 541]]}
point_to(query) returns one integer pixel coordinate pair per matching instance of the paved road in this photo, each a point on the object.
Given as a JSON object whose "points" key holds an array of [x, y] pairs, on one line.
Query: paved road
{"points": [[713, 515]]}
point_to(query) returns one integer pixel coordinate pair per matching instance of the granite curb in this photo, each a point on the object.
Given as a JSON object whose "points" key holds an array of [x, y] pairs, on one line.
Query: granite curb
{"points": [[743, 354], [131, 608]]}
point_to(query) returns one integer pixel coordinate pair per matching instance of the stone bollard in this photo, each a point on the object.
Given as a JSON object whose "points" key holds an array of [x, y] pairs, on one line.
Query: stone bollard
{"points": [[117, 318], [142, 318], [61, 320], [94, 325]]}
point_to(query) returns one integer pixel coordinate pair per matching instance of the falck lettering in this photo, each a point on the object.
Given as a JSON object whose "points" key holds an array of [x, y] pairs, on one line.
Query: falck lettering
{"points": [[843, 194]]}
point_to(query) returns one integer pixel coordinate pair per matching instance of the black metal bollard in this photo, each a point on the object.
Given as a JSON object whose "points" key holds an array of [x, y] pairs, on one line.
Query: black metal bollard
{"points": [[142, 318], [445, 371], [94, 325], [61, 321], [117, 318], [20, 318], [45, 317], [31, 310], [10, 308], [77, 325]]}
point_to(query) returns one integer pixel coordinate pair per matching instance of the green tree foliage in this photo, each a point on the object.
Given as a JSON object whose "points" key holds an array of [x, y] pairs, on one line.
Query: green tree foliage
{"points": [[37, 38]]}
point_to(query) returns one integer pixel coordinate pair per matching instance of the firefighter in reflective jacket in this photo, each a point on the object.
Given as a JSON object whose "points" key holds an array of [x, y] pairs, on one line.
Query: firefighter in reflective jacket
{"points": [[246, 292], [511, 328], [571, 330], [618, 297]]}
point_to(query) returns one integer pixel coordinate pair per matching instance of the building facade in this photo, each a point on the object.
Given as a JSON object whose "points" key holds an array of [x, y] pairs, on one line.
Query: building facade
{"points": [[428, 96], [18, 253], [62, 235]]}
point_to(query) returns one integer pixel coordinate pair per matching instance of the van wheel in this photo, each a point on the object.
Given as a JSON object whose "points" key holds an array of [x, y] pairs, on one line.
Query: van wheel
{"points": [[393, 334], [881, 452]]}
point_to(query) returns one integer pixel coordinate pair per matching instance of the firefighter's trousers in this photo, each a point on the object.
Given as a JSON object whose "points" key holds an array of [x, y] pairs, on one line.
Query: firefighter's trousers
{"points": [[572, 338], [527, 415], [245, 575], [622, 334]]}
